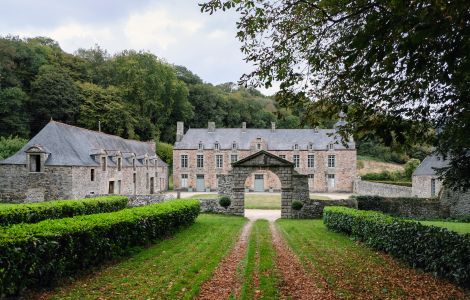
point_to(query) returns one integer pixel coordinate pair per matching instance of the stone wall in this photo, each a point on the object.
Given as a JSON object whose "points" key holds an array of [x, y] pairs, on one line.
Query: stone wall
{"points": [[368, 188], [455, 204], [313, 209], [422, 186]]}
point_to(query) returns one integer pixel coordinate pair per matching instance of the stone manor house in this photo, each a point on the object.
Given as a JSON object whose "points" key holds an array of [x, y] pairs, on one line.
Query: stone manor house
{"points": [[68, 162], [201, 155]]}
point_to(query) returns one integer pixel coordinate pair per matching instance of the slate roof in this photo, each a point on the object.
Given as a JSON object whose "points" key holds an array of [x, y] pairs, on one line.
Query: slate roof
{"points": [[427, 165], [72, 146], [280, 139]]}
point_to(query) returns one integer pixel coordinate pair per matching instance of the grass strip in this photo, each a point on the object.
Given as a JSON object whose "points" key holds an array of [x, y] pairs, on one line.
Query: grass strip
{"points": [[459, 227], [260, 278]]}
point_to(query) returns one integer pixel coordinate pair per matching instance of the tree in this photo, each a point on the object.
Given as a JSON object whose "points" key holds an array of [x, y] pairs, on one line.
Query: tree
{"points": [[10, 145], [396, 67], [107, 107], [54, 95], [13, 117]]}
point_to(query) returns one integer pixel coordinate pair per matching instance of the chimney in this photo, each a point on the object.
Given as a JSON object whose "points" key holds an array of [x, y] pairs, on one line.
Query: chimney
{"points": [[211, 126], [273, 126], [243, 126], [179, 131]]}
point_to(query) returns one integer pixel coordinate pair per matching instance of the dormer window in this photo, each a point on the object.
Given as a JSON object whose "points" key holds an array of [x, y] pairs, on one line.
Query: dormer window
{"points": [[234, 146], [133, 164], [296, 147], [331, 146], [119, 163], [35, 163], [103, 163], [200, 146], [147, 163], [310, 146], [216, 146], [258, 146]]}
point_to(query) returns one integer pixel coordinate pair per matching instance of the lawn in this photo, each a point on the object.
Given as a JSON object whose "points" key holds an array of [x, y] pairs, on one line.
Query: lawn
{"points": [[459, 227], [259, 274], [260, 201], [354, 271], [174, 268]]}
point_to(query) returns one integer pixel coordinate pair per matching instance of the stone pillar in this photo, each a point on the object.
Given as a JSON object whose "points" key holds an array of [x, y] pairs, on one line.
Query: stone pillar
{"points": [[179, 131], [286, 203]]}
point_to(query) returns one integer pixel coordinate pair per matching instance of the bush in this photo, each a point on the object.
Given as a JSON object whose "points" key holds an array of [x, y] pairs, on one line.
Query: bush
{"points": [[400, 183], [10, 145], [165, 152], [297, 205], [433, 249], [38, 254], [410, 167], [35, 212], [225, 202]]}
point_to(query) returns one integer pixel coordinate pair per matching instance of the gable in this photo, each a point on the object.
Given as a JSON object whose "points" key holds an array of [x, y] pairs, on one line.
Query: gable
{"points": [[263, 159]]}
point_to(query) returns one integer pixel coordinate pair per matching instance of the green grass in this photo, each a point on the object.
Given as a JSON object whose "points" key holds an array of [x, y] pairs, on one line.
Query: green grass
{"points": [[350, 269], [260, 265], [174, 268], [453, 226]]}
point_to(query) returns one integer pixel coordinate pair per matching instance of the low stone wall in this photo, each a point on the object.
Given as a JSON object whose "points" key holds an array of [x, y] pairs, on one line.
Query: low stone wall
{"points": [[141, 200], [455, 204], [368, 188], [313, 209], [420, 208]]}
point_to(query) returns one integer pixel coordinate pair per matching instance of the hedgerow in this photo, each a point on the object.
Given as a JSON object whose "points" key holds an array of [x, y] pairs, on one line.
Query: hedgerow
{"points": [[433, 249], [35, 212], [38, 254]]}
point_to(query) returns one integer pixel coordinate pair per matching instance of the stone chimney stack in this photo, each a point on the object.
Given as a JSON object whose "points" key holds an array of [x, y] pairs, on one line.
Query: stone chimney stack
{"points": [[273, 126], [211, 126], [243, 126], [179, 131]]}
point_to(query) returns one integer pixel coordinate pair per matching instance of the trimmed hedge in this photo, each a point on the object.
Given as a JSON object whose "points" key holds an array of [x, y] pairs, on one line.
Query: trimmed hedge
{"points": [[35, 212], [421, 208], [400, 183], [38, 254], [433, 249]]}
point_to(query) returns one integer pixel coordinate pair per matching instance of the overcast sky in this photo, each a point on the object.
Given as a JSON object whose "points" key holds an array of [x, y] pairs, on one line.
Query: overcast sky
{"points": [[174, 30]]}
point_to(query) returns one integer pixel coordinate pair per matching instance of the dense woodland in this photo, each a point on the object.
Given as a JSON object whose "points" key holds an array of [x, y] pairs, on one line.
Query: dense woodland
{"points": [[134, 95]]}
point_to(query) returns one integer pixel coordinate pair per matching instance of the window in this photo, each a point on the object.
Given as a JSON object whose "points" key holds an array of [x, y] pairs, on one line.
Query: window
{"points": [[234, 146], [92, 175], [331, 161], [35, 163], [219, 161], [311, 160], [147, 164], [296, 147], [296, 161], [200, 161], [331, 180], [134, 178], [147, 181], [282, 156], [216, 146], [119, 163], [103, 163], [433, 187], [331, 146], [133, 164], [311, 178], [258, 146], [310, 146], [200, 146], [184, 180], [119, 186], [233, 158], [184, 161]]}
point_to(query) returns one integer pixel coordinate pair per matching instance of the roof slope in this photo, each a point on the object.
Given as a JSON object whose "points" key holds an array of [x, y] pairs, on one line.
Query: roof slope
{"points": [[279, 139], [428, 164], [71, 146]]}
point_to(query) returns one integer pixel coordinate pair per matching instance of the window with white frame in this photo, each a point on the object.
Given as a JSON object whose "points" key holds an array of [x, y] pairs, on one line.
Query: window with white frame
{"points": [[184, 180], [234, 145], [282, 156], [200, 146], [331, 146], [296, 147], [310, 146], [258, 146], [184, 161], [311, 161], [296, 161], [200, 161], [219, 161], [331, 161], [216, 146], [233, 158]]}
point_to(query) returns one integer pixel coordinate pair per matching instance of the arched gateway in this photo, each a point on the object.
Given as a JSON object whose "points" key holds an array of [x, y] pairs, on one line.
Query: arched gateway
{"points": [[293, 185]]}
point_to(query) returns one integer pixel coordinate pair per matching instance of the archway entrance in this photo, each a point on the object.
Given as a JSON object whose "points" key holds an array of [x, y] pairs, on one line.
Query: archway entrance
{"points": [[262, 190], [233, 184]]}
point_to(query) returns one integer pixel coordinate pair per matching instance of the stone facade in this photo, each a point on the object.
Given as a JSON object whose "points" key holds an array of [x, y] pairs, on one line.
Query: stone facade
{"points": [[218, 161], [368, 188], [455, 204], [422, 186]]}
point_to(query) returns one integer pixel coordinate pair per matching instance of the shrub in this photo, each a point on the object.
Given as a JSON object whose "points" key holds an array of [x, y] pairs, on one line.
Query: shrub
{"points": [[35, 212], [400, 183], [410, 167], [433, 249], [225, 202], [297, 205], [10, 145], [38, 254]]}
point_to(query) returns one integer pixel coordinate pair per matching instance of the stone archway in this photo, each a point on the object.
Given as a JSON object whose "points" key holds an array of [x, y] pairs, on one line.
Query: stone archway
{"points": [[293, 185]]}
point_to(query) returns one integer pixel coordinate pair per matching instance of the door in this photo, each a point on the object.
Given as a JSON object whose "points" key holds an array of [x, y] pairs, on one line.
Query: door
{"points": [[152, 184], [311, 178], [200, 183], [111, 187], [331, 181], [259, 183]]}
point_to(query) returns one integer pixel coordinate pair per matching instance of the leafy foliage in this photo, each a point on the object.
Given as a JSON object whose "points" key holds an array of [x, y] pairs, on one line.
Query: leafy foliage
{"points": [[297, 205], [35, 212], [434, 249], [225, 202], [398, 68], [10, 145], [39, 254], [165, 152]]}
